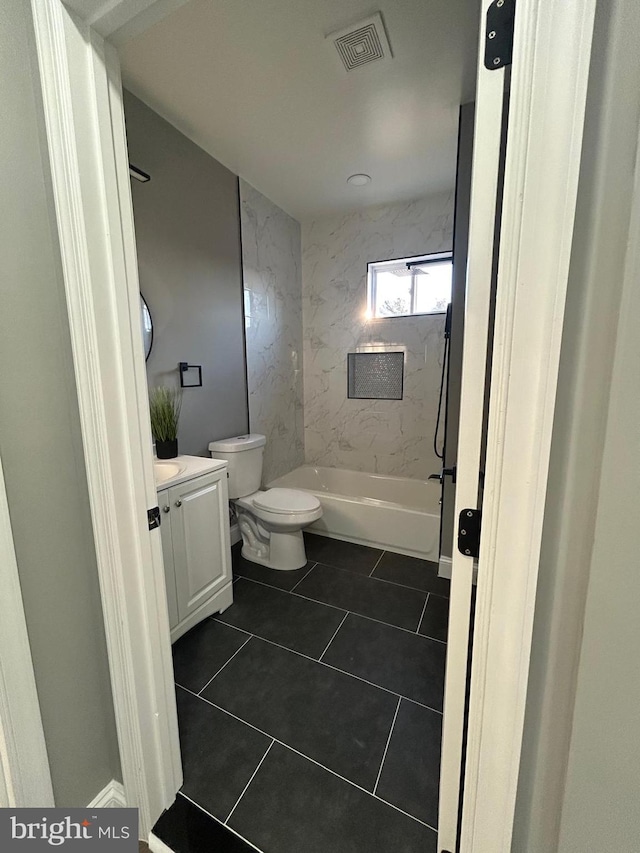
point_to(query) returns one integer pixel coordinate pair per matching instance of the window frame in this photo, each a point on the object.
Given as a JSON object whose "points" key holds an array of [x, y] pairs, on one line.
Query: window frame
{"points": [[373, 267]]}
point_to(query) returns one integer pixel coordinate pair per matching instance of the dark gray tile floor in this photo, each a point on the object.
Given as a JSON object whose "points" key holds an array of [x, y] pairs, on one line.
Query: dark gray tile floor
{"points": [[291, 621], [282, 580], [435, 621], [386, 602], [333, 718], [409, 779], [185, 828], [219, 754], [408, 664], [345, 555], [199, 654], [311, 719], [321, 813], [409, 571]]}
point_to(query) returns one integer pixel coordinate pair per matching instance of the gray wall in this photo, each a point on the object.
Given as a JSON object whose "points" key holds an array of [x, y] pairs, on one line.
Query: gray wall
{"points": [[581, 751], [600, 809], [187, 222], [41, 445]]}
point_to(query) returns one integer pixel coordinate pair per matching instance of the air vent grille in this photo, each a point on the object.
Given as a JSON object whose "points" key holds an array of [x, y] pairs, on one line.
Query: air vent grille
{"points": [[362, 43], [359, 47]]}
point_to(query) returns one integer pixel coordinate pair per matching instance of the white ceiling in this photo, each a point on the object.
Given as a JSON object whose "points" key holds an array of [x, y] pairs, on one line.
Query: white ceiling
{"points": [[255, 84]]}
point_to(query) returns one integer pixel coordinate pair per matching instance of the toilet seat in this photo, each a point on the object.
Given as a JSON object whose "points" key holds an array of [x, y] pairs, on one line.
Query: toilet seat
{"points": [[286, 501]]}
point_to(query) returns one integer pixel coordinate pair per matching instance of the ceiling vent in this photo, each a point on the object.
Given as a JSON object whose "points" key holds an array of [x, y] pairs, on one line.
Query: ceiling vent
{"points": [[362, 43]]}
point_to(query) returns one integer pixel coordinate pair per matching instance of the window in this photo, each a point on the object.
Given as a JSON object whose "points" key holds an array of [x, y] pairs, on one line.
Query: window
{"points": [[407, 286]]}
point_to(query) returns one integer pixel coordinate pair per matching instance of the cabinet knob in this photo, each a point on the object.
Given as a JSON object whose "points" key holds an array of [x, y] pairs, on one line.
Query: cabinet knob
{"points": [[178, 503], [166, 508]]}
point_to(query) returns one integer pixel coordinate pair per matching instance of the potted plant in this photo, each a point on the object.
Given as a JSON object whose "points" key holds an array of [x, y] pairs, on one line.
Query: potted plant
{"points": [[164, 407]]}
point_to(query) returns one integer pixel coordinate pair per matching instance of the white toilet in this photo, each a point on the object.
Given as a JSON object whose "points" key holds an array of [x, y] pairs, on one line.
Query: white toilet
{"points": [[270, 521]]}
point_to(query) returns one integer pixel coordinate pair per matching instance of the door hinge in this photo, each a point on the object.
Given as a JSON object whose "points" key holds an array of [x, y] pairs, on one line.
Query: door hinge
{"points": [[498, 37], [469, 524], [153, 517]]}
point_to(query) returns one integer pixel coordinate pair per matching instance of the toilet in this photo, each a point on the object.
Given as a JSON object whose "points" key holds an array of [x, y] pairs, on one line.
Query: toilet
{"points": [[270, 521]]}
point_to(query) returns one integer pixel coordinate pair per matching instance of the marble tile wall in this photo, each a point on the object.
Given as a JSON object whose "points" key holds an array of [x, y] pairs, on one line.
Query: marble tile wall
{"points": [[271, 257], [378, 436]]}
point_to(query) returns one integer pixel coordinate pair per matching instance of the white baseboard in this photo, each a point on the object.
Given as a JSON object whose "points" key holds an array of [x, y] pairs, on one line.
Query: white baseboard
{"points": [[110, 797], [444, 568], [157, 846], [235, 534]]}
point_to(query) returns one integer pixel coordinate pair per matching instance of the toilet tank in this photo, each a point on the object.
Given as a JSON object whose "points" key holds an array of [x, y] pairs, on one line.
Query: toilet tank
{"points": [[243, 455]]}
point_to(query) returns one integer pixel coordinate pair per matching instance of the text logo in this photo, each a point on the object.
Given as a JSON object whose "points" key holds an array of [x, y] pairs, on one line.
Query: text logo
{"points": [[101, 830]]}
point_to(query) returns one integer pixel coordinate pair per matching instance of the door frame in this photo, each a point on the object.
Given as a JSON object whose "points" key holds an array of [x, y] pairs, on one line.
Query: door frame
{"points": [[552, 52], [82, 97]]}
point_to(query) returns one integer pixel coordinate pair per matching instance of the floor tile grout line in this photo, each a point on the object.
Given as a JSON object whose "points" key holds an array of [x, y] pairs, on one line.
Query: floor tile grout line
{"points": [[337, 669], [389, 625], [329, 666], [386, 748], [377, 564], [402, 811], [379, 580], [346, 672], [225, 664], [335, 607], [335, 633], [301, 579], [424, 610], [297, 594], [312, 760], [244, 790], [218, 821], [359, 574], [214, 618]]}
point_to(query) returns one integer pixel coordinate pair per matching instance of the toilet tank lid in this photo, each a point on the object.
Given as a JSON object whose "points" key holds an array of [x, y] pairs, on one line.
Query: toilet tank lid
{"points": [[237, 443]]}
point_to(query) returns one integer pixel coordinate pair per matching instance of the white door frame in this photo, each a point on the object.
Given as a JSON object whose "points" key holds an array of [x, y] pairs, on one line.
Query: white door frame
{"points": [[552, 51], [85, 132], [82, 99], [487, 133]]}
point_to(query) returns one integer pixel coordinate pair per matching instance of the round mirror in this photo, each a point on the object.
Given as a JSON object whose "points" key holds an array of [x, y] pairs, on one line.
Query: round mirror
{"points": [[147, 327]]}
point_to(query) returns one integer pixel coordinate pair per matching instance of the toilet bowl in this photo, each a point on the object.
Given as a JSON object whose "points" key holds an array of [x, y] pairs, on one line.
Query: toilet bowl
{"points": [[271, 524], [270, 521]]}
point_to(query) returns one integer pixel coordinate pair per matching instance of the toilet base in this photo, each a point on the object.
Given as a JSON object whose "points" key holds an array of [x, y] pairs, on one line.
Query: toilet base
{"points": [[285, 551]]}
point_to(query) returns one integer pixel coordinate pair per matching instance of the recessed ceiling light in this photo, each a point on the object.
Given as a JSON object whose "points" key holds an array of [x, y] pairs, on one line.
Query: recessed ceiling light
{"points": [[359, 180]]}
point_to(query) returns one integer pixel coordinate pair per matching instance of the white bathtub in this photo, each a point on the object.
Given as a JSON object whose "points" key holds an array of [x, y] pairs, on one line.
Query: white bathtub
{"points": [[392, 513]]}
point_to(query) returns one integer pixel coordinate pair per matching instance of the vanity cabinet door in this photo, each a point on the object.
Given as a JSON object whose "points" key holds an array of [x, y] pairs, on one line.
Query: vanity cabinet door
{"points": [[167, 556], [200, 534]]}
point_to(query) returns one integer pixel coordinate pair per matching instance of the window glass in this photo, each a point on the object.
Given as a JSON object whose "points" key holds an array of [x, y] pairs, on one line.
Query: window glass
{"points": [[405, 286]]}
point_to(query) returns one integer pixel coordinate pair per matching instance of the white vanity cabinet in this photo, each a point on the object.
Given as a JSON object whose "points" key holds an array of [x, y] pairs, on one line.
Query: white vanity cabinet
{"points": [[196, 548]]}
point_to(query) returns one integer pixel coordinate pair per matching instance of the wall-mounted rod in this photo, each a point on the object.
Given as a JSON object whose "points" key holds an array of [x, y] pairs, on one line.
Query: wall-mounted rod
{"points": [[138, 174]]}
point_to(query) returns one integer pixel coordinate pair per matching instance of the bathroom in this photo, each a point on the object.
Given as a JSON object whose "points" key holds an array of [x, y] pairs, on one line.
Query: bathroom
{"points": [[282, 746], [261, 319]]}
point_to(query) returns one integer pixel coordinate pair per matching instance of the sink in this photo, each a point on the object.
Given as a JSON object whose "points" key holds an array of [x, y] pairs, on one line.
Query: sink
{"points": [[166, 470], [172, 472]]}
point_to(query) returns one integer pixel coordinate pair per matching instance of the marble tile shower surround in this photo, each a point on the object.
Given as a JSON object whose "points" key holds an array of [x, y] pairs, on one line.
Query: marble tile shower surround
{"points": [[271, 257], [378, 436]]}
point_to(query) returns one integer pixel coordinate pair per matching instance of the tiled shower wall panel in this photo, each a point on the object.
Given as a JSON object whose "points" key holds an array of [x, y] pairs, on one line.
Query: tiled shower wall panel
{"points": [[271, 258], [378, 436]]}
